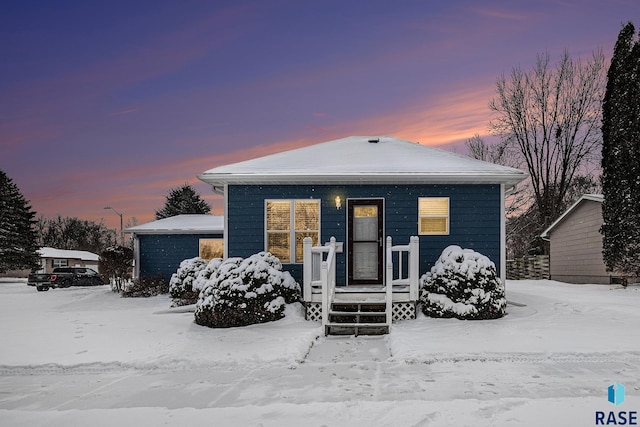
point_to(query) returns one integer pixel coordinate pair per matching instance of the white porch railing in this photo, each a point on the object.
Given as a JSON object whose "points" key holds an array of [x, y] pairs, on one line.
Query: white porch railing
{"points": [[320, 270], [409, 275]]}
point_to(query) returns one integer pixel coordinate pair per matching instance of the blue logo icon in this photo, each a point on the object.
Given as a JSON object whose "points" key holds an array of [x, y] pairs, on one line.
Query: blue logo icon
{"points": [[616, 393]]}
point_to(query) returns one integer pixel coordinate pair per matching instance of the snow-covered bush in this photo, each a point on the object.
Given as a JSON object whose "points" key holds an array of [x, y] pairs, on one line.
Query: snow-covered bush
{"points": [[246, 291], [146, 286], [462, 284], [181, 283], [205, 274]]}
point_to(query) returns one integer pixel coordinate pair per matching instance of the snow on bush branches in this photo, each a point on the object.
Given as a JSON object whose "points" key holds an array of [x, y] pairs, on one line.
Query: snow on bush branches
{"points": [[181, 283], [242, 292], [462, 284]]}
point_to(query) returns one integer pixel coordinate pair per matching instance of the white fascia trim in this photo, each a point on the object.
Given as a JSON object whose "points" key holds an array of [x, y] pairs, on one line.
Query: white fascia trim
{"points": [[174, 231], [593, 197], [409, 178]]}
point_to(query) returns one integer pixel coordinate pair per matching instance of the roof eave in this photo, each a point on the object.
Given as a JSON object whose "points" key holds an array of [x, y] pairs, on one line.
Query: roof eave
{"points": [[592, 197], [219, 180], [173, 231]]}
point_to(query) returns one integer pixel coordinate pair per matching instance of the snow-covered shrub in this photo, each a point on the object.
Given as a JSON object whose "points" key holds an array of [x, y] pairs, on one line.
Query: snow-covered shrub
{"points": [[146, 286], [246, 291], [462, 284], [205, 274], [181, 283]]}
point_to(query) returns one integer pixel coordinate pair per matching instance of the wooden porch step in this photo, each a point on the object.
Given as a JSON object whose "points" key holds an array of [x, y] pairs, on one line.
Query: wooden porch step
{"points": [[356, 329], [361, 289], [359, 313], [358, 318], [363, 317], [367, 305]]}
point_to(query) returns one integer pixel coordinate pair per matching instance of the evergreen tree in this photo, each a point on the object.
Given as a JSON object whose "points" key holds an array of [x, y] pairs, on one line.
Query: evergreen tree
{"points": [[18, 248], [621, 157], [183, 200]]}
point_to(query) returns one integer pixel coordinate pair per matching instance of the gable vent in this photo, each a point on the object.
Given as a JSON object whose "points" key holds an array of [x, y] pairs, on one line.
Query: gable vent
{"points": [[374, 140]]}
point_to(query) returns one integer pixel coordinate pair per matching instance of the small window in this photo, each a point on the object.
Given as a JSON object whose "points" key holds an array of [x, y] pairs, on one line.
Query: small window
{"points": [[211, 248], [287, 223], [365, 211], [60, 263], [433, 215]]}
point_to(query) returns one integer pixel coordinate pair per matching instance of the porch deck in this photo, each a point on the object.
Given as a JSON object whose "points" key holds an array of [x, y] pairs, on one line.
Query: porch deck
{"points": [[394, 300], [400, 293]]}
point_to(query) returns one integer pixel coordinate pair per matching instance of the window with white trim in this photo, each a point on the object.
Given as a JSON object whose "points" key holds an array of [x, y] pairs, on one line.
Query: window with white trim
{"points": [[433, 215], [287, 223]]}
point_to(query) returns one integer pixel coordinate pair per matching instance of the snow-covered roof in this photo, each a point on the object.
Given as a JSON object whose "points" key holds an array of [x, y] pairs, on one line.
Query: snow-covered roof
{"points": [[47, 252], [181, 224], [592, 197], [363, 159]]}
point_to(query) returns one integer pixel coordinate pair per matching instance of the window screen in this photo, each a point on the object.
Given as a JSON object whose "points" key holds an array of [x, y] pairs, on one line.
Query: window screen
{"points": [[433, 215]]}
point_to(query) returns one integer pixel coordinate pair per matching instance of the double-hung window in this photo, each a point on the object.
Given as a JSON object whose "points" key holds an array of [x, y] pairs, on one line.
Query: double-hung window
{"points": [[287, 223], [433, 215]]}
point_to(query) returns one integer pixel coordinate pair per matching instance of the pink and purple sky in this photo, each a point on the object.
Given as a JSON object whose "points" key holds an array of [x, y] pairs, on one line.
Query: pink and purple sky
{"points": [[115, 103]]}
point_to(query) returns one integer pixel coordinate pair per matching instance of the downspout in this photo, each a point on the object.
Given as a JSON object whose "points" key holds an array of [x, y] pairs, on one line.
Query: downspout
{"points": [[222, 191], [503, 232], [225, 212], [136, 257]]}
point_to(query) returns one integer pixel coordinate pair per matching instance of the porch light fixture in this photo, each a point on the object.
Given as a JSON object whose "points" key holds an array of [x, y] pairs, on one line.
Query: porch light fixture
{"points": [[338, 202]]}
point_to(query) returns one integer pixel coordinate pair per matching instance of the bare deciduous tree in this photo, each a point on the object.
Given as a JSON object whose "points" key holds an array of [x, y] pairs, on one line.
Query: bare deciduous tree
{"points": [[551, 116], [502, 154], [74, 233]]}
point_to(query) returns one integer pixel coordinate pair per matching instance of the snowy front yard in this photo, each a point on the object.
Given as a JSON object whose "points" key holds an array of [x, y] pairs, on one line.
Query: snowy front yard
{"points": [[85, 356]]}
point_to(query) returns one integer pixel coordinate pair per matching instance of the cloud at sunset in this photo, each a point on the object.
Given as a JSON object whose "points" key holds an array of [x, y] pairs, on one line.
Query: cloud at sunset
{"points": [[106, 105]]}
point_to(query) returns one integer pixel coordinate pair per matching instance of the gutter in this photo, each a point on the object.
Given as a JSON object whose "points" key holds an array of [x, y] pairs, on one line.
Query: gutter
{"points": [[218, 180], [509, 191]]}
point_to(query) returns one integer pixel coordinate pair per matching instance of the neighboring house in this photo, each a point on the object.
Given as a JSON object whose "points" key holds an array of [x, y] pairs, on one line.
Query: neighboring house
{"points": [[576, 243], [362, 190], [160, 246], [51, 258]]}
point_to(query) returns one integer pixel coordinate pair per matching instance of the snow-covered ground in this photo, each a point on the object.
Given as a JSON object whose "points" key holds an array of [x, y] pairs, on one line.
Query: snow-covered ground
{"points": [[85, 356]]}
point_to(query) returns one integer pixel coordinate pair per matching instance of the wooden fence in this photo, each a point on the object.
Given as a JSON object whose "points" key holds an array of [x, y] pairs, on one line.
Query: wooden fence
{"points": [[534, 267]]}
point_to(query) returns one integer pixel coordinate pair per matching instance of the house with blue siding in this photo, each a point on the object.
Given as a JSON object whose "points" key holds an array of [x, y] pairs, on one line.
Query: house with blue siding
{"points": [[360, 218], [160, 246]]}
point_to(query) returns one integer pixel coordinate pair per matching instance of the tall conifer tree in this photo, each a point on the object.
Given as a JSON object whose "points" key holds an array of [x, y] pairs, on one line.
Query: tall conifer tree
{"points": [[18, 248], [621, 157]]}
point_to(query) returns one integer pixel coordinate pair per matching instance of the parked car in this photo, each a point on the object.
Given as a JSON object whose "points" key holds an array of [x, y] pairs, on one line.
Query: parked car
{"points": [[63, 277], [39, 280]]}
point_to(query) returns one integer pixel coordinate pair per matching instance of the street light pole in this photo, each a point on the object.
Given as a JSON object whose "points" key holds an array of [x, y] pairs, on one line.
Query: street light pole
{"points": [[121, 231]]}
